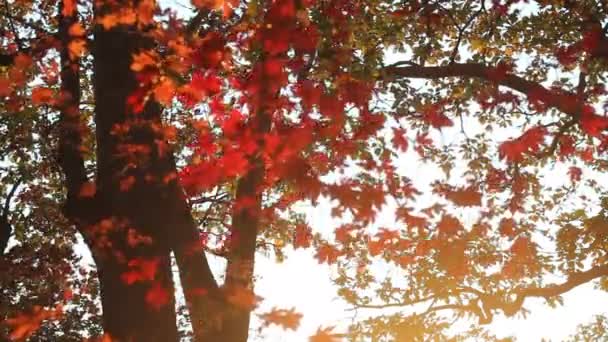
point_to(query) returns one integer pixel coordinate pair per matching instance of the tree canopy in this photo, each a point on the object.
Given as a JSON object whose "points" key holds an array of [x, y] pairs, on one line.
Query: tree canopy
{"points": [[161, 136]]}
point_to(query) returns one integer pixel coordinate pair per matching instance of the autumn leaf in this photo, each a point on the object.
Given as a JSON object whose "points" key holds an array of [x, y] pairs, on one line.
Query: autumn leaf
{"points": [[243, 298], [69, 7], [41, 96], [327, 253], [400, 139], [24, 325], [88, 189], [464, 197], [302, 236], [575, 174], [77, 48], [164, 91], [449, 225], [157, 296], [287, 319], [5, 87], [325, 335], [506, 227], [143, 60], [529, 142], [140, 270], [432, 115], [76, 30], [227, 6]]}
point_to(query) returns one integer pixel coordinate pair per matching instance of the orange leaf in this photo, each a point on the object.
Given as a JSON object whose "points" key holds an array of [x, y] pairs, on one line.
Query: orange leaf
{"points": [[324, 335], [227, 6], [164, 91], [464, 197], [87, 189], [287, 319], [243, 298], [76, 30], [77, 47], [108, 21], [327, 253], [42, 96], [69, 6], [449, 225], [142, 60]]}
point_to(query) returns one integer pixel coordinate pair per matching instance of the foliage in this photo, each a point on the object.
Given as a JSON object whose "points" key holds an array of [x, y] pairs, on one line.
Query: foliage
{"points": [[479, 125]]}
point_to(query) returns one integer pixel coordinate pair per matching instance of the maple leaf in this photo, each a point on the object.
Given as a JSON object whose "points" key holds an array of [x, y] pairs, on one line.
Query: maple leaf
{"points": [[464, 197], [400, 139], [325, 335], [287, 319], [375, 247], [69, 7], [143, 60], [302, 236], [226, 6], [575, 174], [87, 189], [327, 253], [76, 30], [77, 48], [432, 115], [24, 325], [164, 91], [243, 298], [529, 142], [5, 87], [42, 96], [506, 227], [157, 296], [449, 225], [141, 270], [593, 124]]}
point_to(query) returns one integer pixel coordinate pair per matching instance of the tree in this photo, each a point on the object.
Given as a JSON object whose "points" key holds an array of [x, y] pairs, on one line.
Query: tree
{"points": [[155, 135]]}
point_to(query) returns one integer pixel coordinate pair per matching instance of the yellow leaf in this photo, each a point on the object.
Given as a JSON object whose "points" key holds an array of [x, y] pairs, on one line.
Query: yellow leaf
{"points": [[478, 44]]}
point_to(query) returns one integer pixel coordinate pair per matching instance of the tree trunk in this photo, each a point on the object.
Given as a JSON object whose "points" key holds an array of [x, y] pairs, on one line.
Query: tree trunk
{"points": [[141, 308]]}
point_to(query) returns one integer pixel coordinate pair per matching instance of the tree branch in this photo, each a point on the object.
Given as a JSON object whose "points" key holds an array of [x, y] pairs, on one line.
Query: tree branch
{"points": [[560, 101]]}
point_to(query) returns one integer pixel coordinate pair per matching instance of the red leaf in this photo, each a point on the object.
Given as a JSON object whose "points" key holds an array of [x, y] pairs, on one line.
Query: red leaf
{"points": [[432, 115], [593, 124], [327, 253], [449, 225], [529, 142], [400, 139], [157, 296], [464, 197], [575, 174]]}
